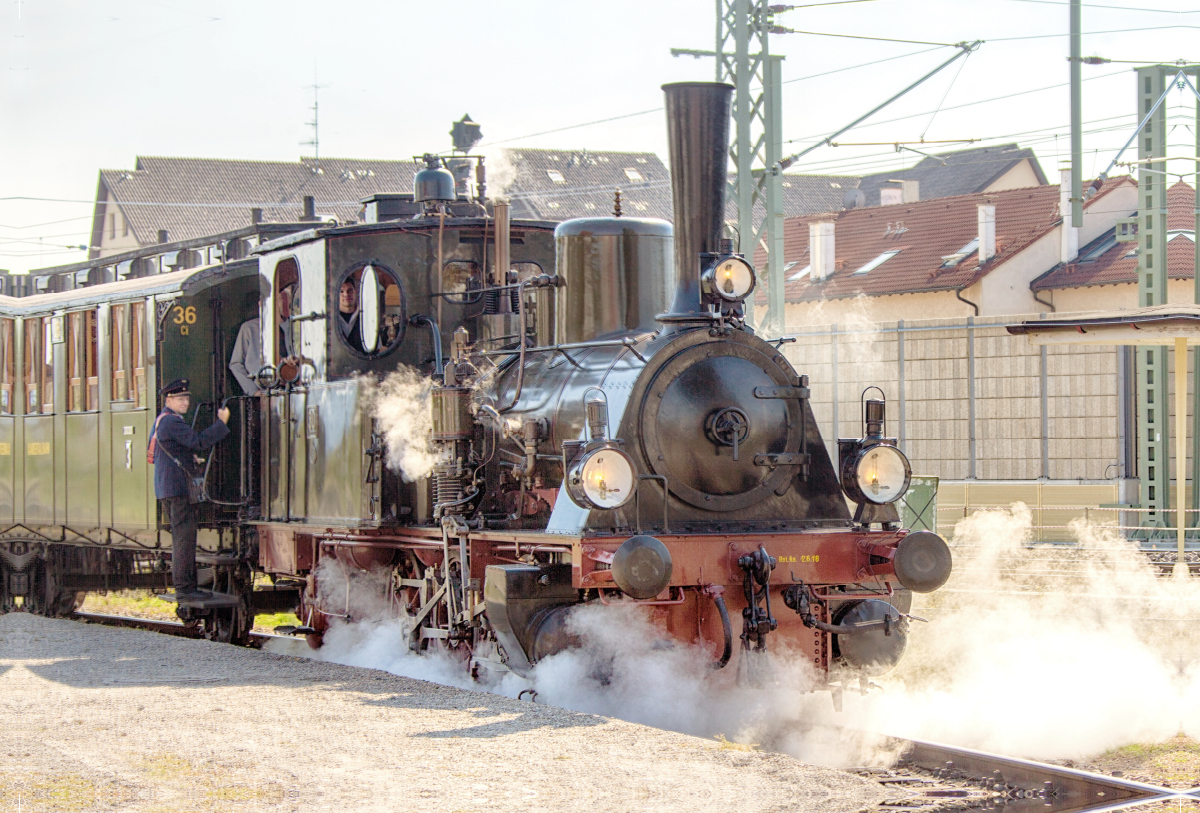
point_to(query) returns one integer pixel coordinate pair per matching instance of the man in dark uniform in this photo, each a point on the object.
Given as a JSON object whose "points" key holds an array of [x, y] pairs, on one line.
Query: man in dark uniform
{"points": [[173, 447]]}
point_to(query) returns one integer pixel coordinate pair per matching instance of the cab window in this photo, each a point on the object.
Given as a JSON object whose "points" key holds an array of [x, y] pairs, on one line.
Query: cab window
{"points": [[371, 314], [287, 303]]}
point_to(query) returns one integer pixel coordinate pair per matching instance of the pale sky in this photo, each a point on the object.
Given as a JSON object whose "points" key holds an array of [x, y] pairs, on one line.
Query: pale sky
{"points": [[91, 84]]}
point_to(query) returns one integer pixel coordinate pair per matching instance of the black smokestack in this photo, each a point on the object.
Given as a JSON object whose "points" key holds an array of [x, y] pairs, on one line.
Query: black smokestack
{"points": [[698, 139]]}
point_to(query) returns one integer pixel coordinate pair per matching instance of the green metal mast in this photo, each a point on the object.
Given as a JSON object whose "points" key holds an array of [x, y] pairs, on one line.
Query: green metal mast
{"points": [[744, 60], [1150, 368], [1151, 365], [743, 57]]}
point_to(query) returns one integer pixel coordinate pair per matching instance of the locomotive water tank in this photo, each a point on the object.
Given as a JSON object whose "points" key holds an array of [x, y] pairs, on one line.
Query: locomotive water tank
{"points": [[617, 275]]}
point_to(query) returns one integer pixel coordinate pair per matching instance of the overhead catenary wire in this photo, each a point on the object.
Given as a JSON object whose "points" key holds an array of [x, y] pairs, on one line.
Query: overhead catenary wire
{"points": [[660, 109], [949, 87], [1115, 8], [965, 104]]}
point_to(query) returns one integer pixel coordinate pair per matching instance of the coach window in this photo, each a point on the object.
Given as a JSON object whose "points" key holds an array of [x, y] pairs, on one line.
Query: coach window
{"points": [[122, 371], [39, 366], [83, 392], [8, 360], [287, 303], [371, 311], [137, 352]]}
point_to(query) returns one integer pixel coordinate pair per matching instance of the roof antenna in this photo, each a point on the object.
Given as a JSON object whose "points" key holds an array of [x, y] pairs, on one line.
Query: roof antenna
{"points": [[617, 204], [315, 125]]}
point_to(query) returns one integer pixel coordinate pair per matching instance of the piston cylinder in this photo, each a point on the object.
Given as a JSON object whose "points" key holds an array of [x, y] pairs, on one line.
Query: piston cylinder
{"points": [[451, 418]]}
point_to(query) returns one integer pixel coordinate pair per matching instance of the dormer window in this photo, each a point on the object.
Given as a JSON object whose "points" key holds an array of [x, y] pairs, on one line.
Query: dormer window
{"points": [[951, 260], [878, 261], [801, 274]]}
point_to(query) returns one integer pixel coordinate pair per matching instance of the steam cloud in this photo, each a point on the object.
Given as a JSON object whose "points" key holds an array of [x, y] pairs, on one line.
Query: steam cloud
{"points": [[501, 171], [1045, 652], [401, 405]]}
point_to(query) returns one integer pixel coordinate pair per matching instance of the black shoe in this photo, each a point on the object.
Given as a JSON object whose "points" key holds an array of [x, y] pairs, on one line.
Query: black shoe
{"points": [[193, 595]]}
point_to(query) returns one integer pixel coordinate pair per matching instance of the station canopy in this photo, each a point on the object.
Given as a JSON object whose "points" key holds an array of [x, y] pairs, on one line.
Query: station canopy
{"points": [[1156, 325]]}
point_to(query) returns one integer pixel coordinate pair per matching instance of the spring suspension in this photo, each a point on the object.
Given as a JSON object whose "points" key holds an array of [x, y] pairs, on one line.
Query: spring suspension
{"points": [[494, 301]]}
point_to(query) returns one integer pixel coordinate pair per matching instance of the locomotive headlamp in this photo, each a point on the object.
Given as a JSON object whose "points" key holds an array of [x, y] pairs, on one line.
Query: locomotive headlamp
{"points": [[729, 278], [873, 469], [602, 478], [599, 473], [881, 473]]}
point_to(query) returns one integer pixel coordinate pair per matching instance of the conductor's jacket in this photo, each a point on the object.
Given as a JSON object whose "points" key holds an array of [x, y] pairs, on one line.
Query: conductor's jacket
{"points": [[182, 442]]}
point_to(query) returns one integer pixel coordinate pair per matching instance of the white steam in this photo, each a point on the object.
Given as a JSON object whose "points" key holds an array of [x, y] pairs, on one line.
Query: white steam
{"points": [[400, 403], [501, 171], [1044, 652]]}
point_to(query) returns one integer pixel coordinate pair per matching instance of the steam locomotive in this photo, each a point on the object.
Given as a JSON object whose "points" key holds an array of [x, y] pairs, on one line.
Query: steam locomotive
{"points": [[516, 420]]}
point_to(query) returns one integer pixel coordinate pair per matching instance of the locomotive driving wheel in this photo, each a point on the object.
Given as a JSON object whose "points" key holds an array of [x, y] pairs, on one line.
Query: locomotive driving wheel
{"points": [[437, 631], [232, 625]]}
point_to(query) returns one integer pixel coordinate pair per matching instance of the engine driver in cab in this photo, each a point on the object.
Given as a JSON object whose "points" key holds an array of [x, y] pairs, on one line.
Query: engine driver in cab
{"points": [[173, 447]]}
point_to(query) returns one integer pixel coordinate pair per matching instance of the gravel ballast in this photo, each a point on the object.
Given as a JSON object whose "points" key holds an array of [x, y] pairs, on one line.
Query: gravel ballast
{"points": [[101, 718]]}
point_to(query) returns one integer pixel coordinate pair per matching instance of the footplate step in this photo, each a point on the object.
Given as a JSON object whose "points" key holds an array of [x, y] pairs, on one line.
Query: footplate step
{"points": [[213, 602]]}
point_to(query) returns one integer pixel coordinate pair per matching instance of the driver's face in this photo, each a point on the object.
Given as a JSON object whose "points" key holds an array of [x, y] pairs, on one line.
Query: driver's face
{"points": [[348, 297]]}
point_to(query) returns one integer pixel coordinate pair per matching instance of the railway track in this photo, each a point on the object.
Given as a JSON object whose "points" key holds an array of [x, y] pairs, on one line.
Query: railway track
{"points": [[932, 777], [257, 639], [941, 777]]}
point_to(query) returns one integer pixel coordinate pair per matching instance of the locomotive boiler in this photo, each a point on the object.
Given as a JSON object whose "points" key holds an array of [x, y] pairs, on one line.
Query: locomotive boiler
{"points": [[515, 420]]}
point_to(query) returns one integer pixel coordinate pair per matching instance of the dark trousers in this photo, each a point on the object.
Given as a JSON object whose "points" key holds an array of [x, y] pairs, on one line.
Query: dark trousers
{"points": [[183, 543]]}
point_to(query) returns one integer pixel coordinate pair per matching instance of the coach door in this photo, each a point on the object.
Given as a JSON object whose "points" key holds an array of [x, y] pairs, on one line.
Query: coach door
{"points": [[132, 416], [8, 377], [82, 420], [38, 421]]}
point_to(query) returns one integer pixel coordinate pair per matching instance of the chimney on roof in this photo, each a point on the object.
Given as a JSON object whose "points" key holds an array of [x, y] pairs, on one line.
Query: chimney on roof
{"points": [[987, 232], [910, 191], [310, 208], [163, 236], [891, 195], [1070, 231], [256, 216], [821, 250]]}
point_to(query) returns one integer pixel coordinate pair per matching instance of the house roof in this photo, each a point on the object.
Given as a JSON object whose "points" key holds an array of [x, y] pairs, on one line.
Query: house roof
{"points": [[193, 197], [562, 184], [948, 174], [1107, 262], [803, 195], [922, 235]]}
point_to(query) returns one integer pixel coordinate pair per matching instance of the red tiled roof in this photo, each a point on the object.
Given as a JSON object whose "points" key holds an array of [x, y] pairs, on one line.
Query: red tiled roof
{"points": [[923, 232], [1119, 264]]}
